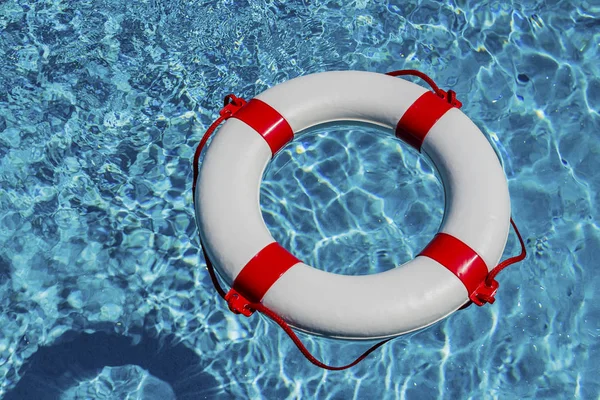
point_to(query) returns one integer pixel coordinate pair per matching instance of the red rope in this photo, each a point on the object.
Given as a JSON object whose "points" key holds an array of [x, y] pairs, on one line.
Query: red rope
{"points": [[509, 261], [421, 75], [205, 138], [231, 105], [450, 95]]}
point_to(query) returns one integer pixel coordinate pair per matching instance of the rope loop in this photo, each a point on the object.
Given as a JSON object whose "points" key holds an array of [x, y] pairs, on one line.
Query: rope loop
{"points": [[484, 294]]}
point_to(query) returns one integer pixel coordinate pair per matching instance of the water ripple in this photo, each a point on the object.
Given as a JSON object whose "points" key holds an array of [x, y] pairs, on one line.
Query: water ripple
{"points": [[105, 101]]}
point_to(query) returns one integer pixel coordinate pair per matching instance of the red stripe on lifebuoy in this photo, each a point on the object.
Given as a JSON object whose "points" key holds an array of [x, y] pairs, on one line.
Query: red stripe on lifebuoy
{"points": [[262, 271], [459, 258], [420, 117], [269, 124]]}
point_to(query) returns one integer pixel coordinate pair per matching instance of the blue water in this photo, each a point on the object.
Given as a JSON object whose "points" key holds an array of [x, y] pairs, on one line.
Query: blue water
{"points": [[104, 293]]}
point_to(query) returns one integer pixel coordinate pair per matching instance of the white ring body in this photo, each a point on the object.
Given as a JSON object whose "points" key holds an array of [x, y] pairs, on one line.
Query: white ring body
{"points": [[398, 301]]}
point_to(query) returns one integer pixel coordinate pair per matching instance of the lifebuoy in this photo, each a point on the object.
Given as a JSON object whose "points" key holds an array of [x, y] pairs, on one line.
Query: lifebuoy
{"points": [[449, 273]]}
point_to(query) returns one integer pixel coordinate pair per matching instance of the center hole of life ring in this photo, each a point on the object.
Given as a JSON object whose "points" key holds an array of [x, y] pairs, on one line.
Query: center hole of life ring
{"points": [[351, 199]]}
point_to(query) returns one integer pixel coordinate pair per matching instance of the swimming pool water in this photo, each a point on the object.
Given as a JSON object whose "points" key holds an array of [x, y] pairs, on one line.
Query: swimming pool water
{"points": [[103, 289]]}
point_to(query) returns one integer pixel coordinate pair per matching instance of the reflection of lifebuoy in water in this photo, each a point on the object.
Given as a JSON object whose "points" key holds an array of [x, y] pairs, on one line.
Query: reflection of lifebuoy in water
{"points": [[449, 273]]}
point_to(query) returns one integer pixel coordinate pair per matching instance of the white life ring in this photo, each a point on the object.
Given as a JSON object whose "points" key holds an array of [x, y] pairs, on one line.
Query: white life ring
{"points": [[446, 275]]}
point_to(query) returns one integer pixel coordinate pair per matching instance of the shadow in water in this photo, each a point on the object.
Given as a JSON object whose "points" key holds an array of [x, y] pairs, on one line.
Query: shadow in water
{"points": [[52, 370]]}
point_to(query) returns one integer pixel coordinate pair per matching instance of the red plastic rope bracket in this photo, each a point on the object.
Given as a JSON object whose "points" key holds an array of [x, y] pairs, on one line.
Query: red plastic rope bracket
{"points": [[487, 290], [238, 304], [231, 105]]}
